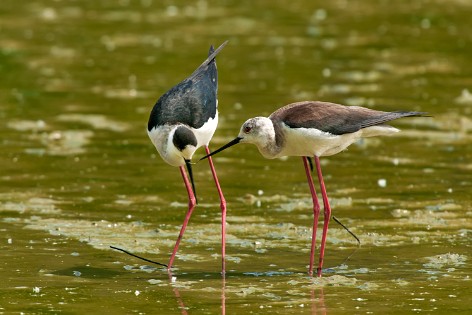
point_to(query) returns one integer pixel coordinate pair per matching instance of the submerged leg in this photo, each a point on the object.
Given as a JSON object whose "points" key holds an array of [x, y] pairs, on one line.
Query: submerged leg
{"points": [[191, 205], [223, 211], [316, 212], [327, 213]]}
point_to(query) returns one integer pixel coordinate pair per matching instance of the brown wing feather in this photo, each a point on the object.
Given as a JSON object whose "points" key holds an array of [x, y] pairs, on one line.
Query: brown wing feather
{"points": [[333, 118]]}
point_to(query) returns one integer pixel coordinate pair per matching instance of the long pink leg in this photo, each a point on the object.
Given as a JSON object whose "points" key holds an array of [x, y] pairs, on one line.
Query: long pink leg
{"points": [[191, 205], [316, 213], [223, 212], [327, 213]]}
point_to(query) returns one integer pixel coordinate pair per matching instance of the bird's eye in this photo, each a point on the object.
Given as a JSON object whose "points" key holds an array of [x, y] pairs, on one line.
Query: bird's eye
{"points": [[247, 129]]}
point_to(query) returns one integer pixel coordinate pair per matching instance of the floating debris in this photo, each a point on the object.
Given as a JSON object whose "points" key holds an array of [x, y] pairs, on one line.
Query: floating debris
{"points": [[154, 281], [66, 142], [334, 281], [464, 98], [445, 260], [27, 125], [95, 121], [382, 182]]}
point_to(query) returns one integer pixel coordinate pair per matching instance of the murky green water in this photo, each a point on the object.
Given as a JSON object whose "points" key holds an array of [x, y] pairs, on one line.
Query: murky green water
{"points": [[79, 174]]}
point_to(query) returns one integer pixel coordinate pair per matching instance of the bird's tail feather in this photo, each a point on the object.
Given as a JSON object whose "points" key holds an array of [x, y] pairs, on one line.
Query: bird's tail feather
{"points": [[389, 116], [211, 56]]}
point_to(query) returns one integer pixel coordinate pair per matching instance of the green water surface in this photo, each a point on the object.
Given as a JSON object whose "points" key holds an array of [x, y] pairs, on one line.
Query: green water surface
{"points": [[78, 172]]}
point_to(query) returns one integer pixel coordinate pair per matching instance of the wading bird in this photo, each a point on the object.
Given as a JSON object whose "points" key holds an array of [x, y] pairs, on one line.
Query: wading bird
{"points": [[314, 129], [181, 121]]}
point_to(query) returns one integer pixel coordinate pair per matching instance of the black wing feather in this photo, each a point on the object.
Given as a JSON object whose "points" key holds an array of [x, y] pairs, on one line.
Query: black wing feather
{"points": [[191, 102]]}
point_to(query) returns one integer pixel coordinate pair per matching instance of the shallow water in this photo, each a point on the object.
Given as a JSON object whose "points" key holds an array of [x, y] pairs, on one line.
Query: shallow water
{"points": [[79, 173]]}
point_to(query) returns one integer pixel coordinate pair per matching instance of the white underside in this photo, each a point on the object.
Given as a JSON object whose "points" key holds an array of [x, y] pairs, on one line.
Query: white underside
{"points": [[310, 142], [162, 136]]}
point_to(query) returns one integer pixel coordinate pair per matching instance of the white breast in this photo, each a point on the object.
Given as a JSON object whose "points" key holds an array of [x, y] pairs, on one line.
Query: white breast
{"points": [[311, 141], [205, 133]]}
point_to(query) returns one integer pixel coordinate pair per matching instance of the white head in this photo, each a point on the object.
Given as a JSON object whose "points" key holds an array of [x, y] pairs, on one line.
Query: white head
{"points": [[258, 131]]}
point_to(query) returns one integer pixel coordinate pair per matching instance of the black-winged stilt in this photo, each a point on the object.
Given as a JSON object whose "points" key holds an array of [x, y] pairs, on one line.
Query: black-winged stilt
{"points": [[181, 121], [314, 128]]}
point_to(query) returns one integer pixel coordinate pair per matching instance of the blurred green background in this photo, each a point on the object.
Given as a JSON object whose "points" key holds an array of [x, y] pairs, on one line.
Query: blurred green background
{"points": [[78, 80]]}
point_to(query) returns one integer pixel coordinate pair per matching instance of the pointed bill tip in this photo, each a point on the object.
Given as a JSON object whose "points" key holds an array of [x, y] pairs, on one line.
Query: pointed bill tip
{"points": [[188, 163]]}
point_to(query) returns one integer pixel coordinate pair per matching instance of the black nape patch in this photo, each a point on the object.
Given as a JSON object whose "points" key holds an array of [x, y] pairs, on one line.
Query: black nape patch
{"points": [[183, 137]]}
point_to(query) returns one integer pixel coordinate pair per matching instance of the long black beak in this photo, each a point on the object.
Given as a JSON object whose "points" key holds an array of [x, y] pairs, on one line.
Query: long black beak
{"points": [[310, 162], [229, 144], [190, 173]]}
